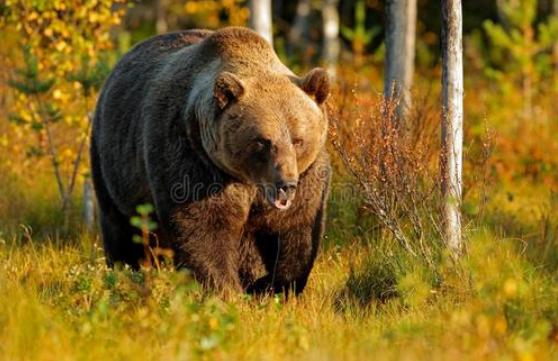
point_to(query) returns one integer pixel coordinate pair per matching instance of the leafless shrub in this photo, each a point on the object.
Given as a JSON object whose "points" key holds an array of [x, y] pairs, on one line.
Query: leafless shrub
{"points": [[394, 164]]}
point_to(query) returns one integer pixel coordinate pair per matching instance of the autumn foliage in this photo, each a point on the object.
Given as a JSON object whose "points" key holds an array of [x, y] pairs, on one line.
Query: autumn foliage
{"points": [[383, 287]]}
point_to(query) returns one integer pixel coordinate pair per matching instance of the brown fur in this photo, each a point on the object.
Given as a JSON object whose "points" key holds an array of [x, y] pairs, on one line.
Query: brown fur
{"points": [[208, 126]]}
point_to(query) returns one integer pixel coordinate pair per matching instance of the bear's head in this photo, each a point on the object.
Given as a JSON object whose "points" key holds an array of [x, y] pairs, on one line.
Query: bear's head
{"points": [[268, 129]]}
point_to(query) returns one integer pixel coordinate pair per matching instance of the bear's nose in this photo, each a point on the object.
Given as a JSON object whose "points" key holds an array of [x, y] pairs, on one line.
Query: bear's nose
{"points": [[283, 195]]}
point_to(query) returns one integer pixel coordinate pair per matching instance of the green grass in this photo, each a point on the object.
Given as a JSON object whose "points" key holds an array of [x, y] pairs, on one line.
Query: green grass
{"points": [[366, 298], [62, 303]]}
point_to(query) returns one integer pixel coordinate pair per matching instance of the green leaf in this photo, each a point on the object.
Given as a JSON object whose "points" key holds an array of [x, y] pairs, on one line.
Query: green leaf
{"points": [[144, 209], [370, 34], [136, 221], [28, 81], [137, 239], [347, 33], [37, 126], [53, 113], [16, 119], [151, 226], [497, 35], [34, 151]]}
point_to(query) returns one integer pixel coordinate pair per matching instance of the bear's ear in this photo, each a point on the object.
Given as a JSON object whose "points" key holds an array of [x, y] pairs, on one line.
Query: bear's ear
{"points": [[227, 89], [316, 84]]}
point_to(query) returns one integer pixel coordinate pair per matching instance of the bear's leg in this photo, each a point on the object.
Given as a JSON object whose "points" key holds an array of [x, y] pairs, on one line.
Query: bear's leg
{"points": [[116, 230], [289, 257], [211, 252], [207, 238], [118, 240], [251, 264]]}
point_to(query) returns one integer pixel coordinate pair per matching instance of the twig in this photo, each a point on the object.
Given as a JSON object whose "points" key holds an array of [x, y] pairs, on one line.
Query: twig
{"points": [[77, 160], [52, 151]]}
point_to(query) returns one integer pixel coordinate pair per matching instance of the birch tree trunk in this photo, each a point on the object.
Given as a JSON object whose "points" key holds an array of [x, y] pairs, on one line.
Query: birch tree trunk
{"points": [[331, 47], [401, 16], [452, 121], [260, 18], [299, 29]]}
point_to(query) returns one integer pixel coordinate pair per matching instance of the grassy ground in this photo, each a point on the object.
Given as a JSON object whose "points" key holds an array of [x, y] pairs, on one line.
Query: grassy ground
{"points": [[366, 299]]}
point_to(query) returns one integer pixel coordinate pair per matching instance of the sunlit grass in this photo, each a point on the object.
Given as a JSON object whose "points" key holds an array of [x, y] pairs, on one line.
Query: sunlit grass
{"points": [[61, 302]]}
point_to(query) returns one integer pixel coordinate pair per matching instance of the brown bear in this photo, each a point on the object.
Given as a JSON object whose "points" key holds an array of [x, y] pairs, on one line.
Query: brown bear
{"points": [[228, 145]]}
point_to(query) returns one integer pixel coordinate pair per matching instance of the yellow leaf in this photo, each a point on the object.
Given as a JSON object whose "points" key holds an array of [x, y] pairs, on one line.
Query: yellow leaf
{"points": [[93, 17], [60, 46], [32, 16]]}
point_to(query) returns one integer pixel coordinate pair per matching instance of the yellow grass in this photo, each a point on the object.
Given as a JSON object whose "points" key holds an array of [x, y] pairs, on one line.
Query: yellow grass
{"points": [[62, 303]]}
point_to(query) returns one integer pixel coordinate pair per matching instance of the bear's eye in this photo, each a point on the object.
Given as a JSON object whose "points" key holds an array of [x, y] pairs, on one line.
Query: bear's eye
{"points": [[298, 142], [262, 144]]}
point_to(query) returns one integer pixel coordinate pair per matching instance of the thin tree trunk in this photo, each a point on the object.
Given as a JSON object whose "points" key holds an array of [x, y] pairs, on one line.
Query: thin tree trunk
{"points": [[260, 18], [452, 121], [298, 34], [555, 46], [401, 18], [161, 23], [88, 205], [332, 45], [527, 74], [53, 153]]}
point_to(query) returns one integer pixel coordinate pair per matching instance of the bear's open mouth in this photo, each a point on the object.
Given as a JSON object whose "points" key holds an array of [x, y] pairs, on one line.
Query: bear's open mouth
{"points": [[279, 198]]}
